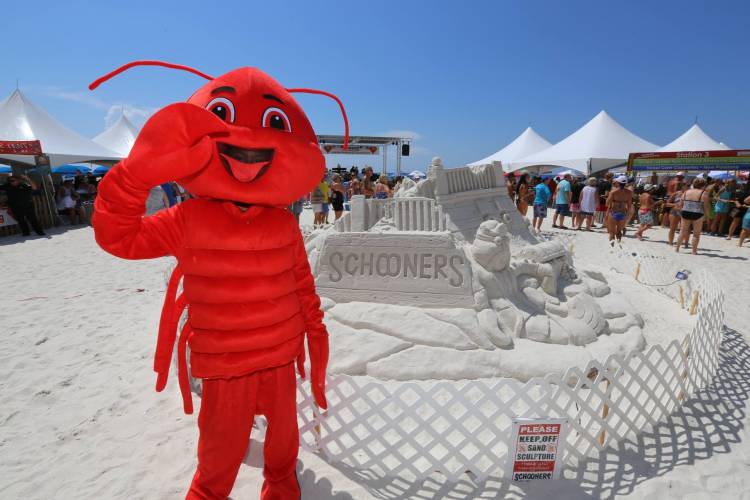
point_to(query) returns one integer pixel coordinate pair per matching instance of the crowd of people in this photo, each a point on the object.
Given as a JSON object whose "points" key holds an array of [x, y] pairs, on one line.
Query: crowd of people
{"points": [[715, 207], [334, 191], [73, 199]]}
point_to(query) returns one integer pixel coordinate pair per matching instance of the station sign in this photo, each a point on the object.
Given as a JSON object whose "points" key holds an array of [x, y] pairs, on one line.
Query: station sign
{"points": [[730, 159]]}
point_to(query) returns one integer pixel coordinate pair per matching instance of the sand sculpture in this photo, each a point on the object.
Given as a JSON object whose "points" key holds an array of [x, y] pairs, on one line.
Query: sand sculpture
{"points": [[447, 281]]}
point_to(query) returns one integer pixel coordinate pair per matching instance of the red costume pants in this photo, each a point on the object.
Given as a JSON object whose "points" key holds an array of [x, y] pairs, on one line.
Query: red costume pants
{"points": [[225, 421]]}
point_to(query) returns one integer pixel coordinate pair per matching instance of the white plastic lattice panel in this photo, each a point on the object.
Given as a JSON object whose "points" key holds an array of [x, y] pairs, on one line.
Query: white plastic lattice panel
{"points": [[411, 429]]}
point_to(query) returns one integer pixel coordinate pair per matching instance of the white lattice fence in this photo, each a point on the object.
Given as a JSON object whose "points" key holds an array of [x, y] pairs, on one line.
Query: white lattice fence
{"points": [[411, 429]]}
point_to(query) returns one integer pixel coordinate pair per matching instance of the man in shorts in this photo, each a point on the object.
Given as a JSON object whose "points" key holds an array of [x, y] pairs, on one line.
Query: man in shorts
{"points": [[541, 198], [563, 195]]}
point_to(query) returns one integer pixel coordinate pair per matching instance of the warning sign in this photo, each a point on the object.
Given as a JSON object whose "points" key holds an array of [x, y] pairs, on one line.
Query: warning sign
{"points": [[537, 448]]}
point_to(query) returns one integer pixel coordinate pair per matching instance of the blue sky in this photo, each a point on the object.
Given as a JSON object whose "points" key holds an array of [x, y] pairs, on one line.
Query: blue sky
{"points": [[463, 78]]}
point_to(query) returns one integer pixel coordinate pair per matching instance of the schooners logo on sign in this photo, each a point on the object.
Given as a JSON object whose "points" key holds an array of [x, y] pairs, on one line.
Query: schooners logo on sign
{"points": [[424, 270], [538, 446]]}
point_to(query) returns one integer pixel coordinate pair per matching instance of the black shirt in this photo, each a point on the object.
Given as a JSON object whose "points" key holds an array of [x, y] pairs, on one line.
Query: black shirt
{"points": [[18, 195], [603, 188], [576, 192]]}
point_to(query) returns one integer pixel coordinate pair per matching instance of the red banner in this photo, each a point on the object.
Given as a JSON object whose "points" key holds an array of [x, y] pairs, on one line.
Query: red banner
{"points": [[32, 148]]}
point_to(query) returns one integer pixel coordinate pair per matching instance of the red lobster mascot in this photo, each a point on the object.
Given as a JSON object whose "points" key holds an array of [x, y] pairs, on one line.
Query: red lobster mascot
{"points": [[243, 147]]}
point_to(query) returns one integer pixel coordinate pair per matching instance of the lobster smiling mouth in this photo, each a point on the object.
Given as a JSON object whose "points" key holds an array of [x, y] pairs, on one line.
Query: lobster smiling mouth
{"points": [[245, 165]]}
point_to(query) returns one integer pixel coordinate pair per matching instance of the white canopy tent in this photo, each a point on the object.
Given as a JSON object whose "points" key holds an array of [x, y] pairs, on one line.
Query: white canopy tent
{"points": [[120, 137], [529, 142], [694, 139], [22, 120], [600, 144]]}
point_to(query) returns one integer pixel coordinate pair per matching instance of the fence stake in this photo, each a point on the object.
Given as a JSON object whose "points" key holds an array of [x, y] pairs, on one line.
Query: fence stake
{"points": [[694, 305], [684, 374], [637, 270], [682, 297], [605, 413]]}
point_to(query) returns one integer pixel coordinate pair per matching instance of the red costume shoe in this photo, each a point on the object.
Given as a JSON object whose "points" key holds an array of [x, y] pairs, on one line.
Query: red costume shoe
{"points": [[247, 285]]}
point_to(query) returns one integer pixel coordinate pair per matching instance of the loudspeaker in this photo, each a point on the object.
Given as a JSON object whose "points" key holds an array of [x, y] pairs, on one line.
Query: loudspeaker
{"points": [[404, 150]]}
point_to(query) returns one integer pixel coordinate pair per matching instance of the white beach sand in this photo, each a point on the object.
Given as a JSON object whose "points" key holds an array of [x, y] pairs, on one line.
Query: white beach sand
{"points": [[79, 417]]}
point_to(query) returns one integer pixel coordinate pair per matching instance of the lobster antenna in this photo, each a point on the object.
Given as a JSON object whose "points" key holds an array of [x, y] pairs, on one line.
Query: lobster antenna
{"points": [[129, 65], [341, 105]]}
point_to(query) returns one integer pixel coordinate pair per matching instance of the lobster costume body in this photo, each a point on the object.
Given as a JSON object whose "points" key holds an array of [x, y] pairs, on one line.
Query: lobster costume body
{"points": [[244, 148]]}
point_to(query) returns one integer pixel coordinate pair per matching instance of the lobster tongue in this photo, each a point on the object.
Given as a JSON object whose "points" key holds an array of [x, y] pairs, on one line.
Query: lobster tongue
{"points": [[245, 172]]}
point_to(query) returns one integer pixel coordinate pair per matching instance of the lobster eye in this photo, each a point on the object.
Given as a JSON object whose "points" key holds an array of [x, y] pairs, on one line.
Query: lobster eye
{"points": [[275, 118], [223, 108]]}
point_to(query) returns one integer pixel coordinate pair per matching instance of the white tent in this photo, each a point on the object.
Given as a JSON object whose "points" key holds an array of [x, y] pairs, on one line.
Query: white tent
{"points": [[22, 120], [599, 145], [529, 142], [120, 137], [694, 139]]}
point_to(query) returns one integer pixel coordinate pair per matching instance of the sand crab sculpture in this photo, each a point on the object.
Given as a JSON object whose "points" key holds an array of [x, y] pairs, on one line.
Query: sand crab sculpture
{"points": [[446, 281]]}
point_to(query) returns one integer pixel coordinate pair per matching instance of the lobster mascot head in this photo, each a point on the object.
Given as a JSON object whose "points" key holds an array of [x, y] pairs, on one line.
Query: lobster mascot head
{"points": [[268, 153]]}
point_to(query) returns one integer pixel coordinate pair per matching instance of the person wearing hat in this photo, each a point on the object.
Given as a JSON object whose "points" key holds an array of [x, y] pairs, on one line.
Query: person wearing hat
{"points": [[645, 212], [20, 202], [619, 202]]}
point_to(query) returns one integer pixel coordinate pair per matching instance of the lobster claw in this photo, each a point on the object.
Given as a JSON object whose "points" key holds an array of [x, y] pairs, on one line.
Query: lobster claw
{"points": [[175, 143]]}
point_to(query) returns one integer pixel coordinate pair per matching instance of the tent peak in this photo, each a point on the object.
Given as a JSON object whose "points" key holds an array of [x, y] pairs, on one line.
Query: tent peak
{"points": [[694, 139]]}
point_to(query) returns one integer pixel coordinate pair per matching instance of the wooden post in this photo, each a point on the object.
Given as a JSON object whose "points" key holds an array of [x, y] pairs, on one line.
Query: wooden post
{"points": [[605, 409], [682, 297], [684, 374], [318, 435], [637, 270], [605, 414], [694, 304]]}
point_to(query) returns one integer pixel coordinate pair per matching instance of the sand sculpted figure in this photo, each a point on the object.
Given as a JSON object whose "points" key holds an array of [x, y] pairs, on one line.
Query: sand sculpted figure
{"points": [[521, 292], [247, 283]]}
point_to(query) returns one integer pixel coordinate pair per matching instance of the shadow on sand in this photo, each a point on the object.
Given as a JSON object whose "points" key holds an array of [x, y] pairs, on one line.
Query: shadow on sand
{"points": [[707, 424], [17, 239]]}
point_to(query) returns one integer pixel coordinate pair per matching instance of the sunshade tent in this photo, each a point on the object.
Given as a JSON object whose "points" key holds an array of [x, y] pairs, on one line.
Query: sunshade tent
{"points": [[600, 144], [694, 139], [71, 169], [529, 142], [100, 170], [4, 169], [22, 120], [120, 137], [417, 174]]}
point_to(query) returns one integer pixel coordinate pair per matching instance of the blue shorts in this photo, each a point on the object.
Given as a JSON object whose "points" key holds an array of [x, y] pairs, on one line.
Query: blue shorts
{"points": [[746, 221], [618, 216], [562, 209], [540, 211], [324, 208]]}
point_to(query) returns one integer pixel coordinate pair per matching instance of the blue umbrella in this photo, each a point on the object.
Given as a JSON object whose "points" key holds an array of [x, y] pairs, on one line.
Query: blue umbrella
{"points": [[562, 171], [100, 170], [72, 168], [5, 169]]}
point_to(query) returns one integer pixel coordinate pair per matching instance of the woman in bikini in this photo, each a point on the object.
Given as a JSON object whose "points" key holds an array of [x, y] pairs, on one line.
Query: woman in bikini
{"points": [[522, 194], [619, 202], [674, 203], [695, 206]]}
